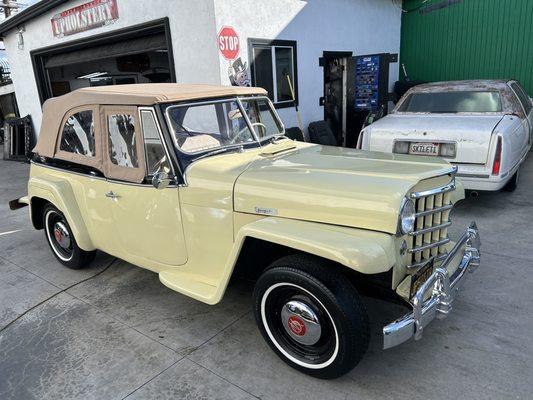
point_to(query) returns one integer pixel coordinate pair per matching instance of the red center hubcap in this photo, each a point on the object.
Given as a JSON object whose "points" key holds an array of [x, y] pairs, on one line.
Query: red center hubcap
{"points": [[296, 325], [58, 235]]}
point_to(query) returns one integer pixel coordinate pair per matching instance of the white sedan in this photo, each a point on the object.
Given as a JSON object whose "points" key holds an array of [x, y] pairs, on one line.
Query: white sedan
{"points": [[484, 127]]}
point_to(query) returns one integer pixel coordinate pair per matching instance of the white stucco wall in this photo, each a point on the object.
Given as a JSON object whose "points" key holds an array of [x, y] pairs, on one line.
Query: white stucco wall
{"points": [[6, 89], [360, 26], [193, 43]]}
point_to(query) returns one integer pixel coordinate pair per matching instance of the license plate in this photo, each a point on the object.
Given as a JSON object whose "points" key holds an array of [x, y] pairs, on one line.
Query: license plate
{"points": [[424, 149], [420, 277]]}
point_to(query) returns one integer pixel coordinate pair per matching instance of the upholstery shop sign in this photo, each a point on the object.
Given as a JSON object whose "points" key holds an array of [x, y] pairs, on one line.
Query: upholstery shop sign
{"points": [[87, 16]]}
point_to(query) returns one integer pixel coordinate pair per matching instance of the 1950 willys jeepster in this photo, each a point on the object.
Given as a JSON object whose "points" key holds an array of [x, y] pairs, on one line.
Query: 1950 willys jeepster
{"points": [[198, 183]]}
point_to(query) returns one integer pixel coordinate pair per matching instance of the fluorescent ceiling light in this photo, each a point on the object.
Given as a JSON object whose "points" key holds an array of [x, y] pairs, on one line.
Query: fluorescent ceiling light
{"points": [[92, 75]]}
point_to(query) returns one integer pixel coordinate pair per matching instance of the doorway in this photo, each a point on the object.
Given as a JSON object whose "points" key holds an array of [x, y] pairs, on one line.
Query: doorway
{"points": [[139, 54]]}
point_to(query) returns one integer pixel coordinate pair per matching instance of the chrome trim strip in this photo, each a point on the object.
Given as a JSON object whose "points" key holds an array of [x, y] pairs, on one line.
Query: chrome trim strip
{"points": [[430, 229], [463, 175], [443, 291], [446, 188], [438, 257], [428, 246], [434, 210]]}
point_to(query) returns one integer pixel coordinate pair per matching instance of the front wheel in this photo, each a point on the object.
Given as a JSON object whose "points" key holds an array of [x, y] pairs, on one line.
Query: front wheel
{"points": [[311, 316], [62, 242]]}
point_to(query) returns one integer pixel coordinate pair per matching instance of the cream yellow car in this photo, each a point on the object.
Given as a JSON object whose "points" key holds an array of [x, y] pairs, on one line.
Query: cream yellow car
{"points": [[198, 184]]}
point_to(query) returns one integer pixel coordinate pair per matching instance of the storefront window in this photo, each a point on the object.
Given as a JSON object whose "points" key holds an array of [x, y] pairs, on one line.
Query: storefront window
{"points": [[274, 69]]}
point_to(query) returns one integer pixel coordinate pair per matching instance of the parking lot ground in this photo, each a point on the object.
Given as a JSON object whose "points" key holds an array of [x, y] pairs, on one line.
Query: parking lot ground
{"points": [[112, 331]]}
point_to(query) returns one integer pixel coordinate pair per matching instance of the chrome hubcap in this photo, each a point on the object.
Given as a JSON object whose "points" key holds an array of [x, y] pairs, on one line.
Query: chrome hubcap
{"points": [[61, 235], [301, 322]]}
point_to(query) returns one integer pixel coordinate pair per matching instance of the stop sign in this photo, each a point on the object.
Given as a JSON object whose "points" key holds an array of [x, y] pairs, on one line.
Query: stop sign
{"points": [[228, 43]]}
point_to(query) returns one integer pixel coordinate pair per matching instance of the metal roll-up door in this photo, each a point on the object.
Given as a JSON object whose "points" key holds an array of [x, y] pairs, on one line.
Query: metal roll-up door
{"points": [[123, 48]]}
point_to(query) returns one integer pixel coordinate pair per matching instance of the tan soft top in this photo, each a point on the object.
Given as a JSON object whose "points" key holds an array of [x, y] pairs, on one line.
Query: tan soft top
{"points": [[145, 94]]}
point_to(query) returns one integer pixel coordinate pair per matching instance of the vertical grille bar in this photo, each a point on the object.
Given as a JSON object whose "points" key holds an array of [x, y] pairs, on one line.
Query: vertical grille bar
{"points": [[431, 227]]}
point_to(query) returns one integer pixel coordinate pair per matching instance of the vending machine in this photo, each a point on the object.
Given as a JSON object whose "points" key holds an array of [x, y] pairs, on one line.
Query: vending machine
{"points": [[356, 88]]}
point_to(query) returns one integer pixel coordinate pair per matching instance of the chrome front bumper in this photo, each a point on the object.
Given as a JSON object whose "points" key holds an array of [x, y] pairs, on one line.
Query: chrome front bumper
{"points": [[443, 290]]}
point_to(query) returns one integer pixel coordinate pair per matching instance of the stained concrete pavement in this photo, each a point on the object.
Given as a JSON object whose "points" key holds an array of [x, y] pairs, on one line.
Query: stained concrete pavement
{"points": [[121, 334]]}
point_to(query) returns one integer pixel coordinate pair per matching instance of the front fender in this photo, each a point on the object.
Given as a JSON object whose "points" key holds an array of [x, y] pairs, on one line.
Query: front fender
{"points": [[59, 192], [365, 251]]}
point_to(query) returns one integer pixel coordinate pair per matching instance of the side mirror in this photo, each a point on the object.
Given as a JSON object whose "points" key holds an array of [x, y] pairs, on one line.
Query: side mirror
{"points": [[161, 180]]}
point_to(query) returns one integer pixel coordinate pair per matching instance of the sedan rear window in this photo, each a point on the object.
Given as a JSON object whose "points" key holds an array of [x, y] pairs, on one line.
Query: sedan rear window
{"points": [[452, 102]]}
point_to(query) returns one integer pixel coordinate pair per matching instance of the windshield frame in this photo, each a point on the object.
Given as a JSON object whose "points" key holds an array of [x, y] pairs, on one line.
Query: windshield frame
{"points": [[415, 92], [257, 141]]}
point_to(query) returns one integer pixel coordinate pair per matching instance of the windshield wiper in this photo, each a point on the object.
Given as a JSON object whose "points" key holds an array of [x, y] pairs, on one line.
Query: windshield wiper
{"points": [[277, 138]]}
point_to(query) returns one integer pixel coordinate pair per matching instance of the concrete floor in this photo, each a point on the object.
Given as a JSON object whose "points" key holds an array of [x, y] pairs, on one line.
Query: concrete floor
{"points": [[122, 334]]}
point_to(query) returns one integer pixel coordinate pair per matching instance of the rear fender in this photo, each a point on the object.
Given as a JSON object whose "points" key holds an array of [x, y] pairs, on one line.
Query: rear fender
{"points": [[59, 192]]}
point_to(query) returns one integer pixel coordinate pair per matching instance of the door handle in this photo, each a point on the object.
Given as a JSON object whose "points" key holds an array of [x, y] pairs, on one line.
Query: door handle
{"points": [[112, 195]]}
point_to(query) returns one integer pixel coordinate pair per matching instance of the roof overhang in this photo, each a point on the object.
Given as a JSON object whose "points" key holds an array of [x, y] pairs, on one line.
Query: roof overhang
{"points": [[27, 14]]}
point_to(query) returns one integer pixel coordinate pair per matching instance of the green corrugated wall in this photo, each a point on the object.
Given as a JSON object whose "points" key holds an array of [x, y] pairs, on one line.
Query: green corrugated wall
{"points": [[472, 39]]}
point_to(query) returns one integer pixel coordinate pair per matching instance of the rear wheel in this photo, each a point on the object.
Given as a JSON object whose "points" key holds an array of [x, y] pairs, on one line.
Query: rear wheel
{"points": [[62, 242], [311, 317], [513, 182]]}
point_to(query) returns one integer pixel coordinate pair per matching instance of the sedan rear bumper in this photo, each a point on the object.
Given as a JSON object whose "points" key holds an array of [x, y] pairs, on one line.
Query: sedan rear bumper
{"points": [[443, 289]]}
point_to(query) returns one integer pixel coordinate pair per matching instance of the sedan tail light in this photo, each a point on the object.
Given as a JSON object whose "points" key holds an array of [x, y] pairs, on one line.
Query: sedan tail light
{"points": [[497, 157]]}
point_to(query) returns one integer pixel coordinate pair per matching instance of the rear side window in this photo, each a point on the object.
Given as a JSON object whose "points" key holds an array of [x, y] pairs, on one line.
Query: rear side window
{"points": [[122, 140], [522, 96], [78, 134]]}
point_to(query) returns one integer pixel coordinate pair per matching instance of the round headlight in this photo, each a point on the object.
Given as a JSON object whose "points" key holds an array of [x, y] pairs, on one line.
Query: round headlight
{"points": [[406, 223]]}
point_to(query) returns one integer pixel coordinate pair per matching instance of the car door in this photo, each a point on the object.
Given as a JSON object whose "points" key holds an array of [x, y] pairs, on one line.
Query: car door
{"points": [[147, 221], [528, 107], [525, 102]]}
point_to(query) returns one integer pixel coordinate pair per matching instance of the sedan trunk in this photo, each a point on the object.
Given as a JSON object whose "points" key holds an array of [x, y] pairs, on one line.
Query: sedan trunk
{"points": [[471, 133]]}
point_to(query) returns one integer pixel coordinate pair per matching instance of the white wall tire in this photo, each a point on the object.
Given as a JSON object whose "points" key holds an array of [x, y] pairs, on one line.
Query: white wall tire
{"points": [[61, 240], [336, 308]]}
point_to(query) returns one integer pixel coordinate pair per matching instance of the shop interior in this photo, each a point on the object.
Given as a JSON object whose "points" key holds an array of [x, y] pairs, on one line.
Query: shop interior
{"points": [[141, 60]]}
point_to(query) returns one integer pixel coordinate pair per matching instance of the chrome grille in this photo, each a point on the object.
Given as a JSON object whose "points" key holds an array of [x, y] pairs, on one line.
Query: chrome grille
{"points": [[430, 236]]}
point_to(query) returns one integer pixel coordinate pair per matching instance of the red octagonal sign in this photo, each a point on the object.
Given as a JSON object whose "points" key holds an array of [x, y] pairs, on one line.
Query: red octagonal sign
{"points": [[228, 43]]}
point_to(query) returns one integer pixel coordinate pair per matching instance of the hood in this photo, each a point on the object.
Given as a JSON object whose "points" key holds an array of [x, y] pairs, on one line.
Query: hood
{"points": [[332, 185], [471, 133]]}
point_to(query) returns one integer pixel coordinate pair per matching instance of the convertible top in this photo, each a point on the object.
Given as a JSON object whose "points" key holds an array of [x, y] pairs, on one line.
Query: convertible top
{"points": [[146, 94]]}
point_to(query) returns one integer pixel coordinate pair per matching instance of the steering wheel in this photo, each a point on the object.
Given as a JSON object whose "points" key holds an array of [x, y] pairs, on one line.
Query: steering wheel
{"points": [[239, 134]]}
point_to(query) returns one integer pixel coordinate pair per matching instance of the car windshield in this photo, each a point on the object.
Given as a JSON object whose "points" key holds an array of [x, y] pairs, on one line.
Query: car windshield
{"points": [[452, 102], [206, 126]]}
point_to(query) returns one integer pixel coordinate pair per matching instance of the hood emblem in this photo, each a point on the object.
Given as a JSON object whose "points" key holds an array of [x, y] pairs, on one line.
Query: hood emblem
{"points": [[266, 211]]}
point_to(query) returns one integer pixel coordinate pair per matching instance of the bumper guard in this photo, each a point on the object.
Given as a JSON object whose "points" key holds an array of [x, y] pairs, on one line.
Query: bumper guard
{"points": [[444, 288]]}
